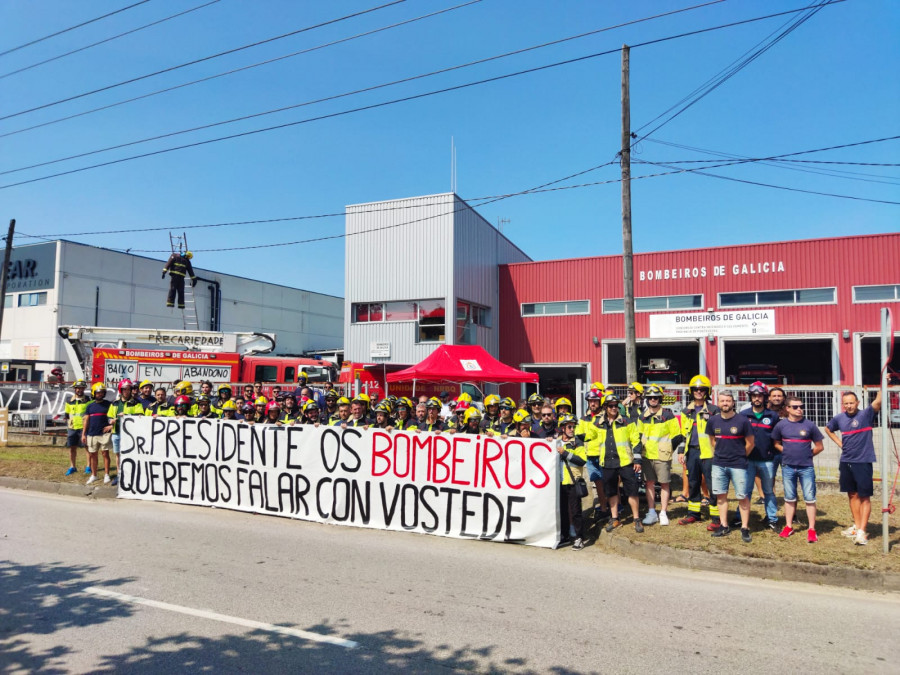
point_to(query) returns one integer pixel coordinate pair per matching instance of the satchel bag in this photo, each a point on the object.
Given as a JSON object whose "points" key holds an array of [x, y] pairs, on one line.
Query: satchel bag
{"points": [[581, 488]]}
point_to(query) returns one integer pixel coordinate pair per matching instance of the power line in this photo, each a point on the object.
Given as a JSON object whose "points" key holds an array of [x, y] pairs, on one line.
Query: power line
{"points": [[733, 69], [109, 39], [70, 28], [354, 37], [201, 60], [389, 102]]}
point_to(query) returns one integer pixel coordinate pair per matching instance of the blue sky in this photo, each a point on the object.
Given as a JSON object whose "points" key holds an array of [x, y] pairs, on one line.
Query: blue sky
{"points": [[832, 81]]}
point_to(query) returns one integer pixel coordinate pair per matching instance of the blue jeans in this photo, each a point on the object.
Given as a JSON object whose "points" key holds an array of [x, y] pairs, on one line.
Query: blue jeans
{"points": [[721, 475], [594, 470], [766, 473], [806, 475], [115, 442]]}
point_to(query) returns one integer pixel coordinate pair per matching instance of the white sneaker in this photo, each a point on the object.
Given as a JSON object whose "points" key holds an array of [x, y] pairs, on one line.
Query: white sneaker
{"points": [[861, 538], [651, 517], [92, 479], [849, 532], [106, 479], [663, 518]]}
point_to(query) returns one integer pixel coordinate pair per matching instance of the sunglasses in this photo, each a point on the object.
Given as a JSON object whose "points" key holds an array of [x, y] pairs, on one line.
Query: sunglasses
{"points": [[653, 398], [546, 414], [796, 406]]}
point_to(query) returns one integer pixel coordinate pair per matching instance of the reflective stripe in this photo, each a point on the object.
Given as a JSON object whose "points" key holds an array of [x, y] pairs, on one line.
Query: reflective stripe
{"points": [[731, 437], [857, 431]]}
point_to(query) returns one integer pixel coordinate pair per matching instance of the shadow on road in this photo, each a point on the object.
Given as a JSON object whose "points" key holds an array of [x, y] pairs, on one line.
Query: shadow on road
{"points": [[43, 599]]}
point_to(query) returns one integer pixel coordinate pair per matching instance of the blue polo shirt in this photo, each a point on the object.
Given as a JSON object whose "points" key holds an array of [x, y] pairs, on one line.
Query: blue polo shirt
{"points": [[730, 433], [856, 435], [762, 424], [96, 417], [797, 439]]}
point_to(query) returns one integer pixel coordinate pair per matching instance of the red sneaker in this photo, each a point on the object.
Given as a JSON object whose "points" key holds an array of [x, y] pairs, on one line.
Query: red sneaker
{"points": [[811, 537], [689, 520], [713, 526], [786, 532]]}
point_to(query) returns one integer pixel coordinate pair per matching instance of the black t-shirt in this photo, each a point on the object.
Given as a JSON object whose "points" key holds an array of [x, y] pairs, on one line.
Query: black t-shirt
{"points": [[762, 425], [730, 450]]}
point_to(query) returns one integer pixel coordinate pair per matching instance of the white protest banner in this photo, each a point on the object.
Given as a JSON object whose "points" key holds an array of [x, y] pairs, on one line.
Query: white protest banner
{"points": [[732, 323], [455, 485]]}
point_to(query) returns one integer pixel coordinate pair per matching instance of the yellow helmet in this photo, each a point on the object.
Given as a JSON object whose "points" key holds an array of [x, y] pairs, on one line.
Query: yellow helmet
{"points": [[184, 388], [188, 255], [562, 400], [637, 386], [343, 400], [472, 412], [260, 400], [97, 386], [598, 385], [229, 405], [699, 382], [464, 397], [654, 390], [521, 416], [491, 399], [144, 383], [362, 398]]}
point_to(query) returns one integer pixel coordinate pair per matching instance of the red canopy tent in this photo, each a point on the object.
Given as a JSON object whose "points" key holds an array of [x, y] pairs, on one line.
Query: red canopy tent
{"points": [[461, 363]]}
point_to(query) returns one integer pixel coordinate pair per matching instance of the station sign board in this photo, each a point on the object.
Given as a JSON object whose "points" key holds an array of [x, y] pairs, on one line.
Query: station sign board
{"points": [[752, 322]]}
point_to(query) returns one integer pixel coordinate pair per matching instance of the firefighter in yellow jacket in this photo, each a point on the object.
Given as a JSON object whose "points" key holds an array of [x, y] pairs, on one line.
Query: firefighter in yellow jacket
{"points": [[178, 267], [619, 444], [697, 460], [660, 432], [572, 460]]}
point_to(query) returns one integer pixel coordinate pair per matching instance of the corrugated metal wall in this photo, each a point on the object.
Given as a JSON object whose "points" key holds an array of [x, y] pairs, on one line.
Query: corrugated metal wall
{"points": [[841, 263]]}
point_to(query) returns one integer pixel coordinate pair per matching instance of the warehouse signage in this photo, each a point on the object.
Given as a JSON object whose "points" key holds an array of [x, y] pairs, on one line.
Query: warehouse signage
{"points": [[735, 323], [31, 268], [462, 486], [701, 272]]}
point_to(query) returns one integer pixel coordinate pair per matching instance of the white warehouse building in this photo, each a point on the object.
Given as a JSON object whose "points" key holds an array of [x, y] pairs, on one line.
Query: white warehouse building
{"points": [[63, 283]]}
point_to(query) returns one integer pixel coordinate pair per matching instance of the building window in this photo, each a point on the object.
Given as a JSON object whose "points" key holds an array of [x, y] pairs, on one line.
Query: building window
{"points": [[662, 303], [556, 308], [431, 321], [802, 296], [32, 299], [468, 316], [888, 293], [7, 301]]}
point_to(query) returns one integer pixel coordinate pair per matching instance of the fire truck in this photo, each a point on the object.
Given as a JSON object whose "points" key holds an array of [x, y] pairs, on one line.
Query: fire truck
{"points": [[168, 356]]}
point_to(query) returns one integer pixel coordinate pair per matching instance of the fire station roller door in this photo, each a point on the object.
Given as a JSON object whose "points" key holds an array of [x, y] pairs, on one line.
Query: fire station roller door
{"points": [[805, 361]]}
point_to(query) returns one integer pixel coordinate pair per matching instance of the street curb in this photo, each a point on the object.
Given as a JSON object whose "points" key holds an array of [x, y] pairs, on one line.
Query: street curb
{"points": [[69, 489], [657, 554]]}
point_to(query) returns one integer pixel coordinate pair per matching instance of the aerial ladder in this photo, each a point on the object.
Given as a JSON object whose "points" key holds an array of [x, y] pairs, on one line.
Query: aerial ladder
{"points": [[79, 342]]}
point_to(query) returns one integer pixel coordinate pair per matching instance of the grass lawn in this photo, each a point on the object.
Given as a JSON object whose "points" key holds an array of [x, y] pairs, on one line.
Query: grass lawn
{"points": [[51, 462]]}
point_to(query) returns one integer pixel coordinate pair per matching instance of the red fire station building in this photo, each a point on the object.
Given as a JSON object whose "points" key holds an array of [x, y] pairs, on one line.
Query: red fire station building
{"points": [[796, 312]]}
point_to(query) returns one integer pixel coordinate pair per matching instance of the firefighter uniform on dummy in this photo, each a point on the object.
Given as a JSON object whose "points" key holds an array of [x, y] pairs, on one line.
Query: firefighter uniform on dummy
{"points": [[697, 460], [178, 267]]}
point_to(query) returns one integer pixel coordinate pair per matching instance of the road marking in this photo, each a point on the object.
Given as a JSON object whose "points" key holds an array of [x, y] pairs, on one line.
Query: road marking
{"points": [[214, 616]]}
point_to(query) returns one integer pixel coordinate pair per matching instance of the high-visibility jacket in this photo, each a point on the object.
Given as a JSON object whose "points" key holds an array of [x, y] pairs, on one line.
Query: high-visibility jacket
{"points": [[582, 431], [576, 457], [660, 433], [408, 424], [490, 423], [431, 426], [692, 417], [178, 265], [75, 411], [626, 435], [290, 417], [131, 407], [164, 409]]}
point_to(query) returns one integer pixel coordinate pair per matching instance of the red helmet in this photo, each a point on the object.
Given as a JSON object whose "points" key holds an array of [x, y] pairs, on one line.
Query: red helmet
{"points": [[758, 388], [272, 405], [181, 400], [126, 383]]}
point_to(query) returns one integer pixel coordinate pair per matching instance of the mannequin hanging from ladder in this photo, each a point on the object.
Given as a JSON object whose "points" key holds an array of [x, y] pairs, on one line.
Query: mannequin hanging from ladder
{"points": [[178, 266]]}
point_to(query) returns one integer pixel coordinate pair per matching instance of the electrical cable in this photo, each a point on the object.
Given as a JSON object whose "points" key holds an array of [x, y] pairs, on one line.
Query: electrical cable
{"points": [[71, 28], [109, 39], [202, 60], [393, 101], [353, 37]]}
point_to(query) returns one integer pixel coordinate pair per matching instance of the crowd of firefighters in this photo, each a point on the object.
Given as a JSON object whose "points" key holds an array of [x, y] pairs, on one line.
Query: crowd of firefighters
{"points": [[623, 448]]}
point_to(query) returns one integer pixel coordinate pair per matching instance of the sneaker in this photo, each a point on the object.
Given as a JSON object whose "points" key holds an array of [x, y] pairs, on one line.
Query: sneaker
{"points": [[689, 519], [722, 531], [772, 525], [849, 532], [651, 518], [713, 526], [760, 500], [786, 532], [578, 545], [90, 480], [87, 470], [861, 538], [638, 527], [106, 479], [663, 518], [114, 481], [612, 524], [811, 537], [71, 470], [745, 535]]}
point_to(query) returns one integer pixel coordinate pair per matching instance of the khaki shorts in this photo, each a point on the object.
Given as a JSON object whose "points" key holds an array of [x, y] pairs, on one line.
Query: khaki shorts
{"points": [[657, 470], [102, 442]]}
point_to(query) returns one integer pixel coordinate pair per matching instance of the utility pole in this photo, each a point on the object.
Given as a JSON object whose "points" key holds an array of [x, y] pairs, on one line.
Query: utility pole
{"points": [[627, 255], [887, 336], [5, 270]]}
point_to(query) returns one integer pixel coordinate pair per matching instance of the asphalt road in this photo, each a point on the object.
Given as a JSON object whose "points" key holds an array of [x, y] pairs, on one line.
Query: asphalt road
{"points": [[145, 587]]}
